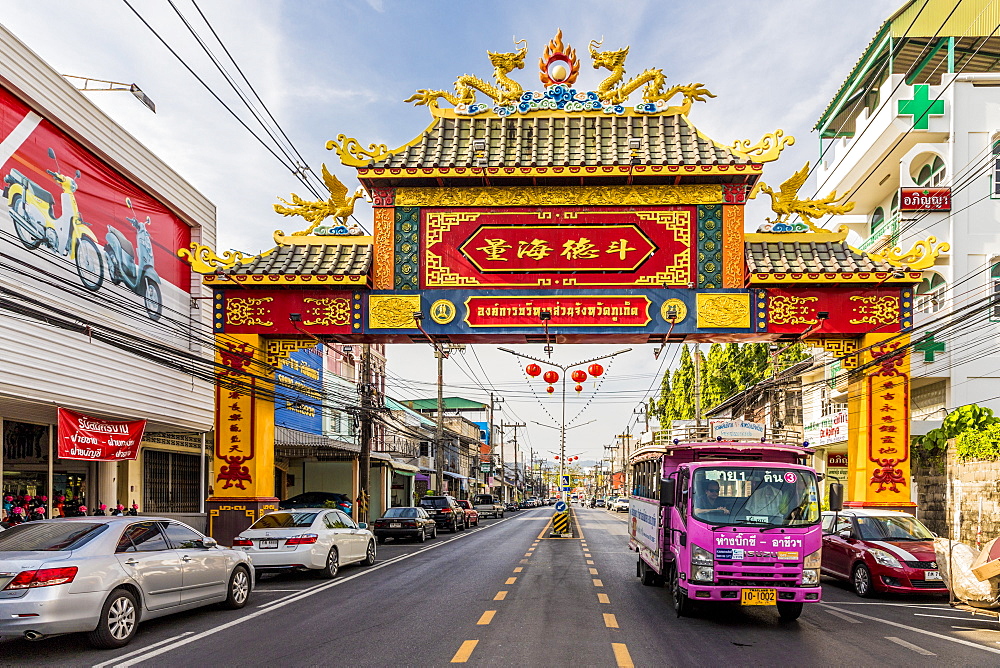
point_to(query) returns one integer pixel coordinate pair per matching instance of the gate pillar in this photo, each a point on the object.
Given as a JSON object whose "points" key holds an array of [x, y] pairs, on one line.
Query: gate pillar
{"points": [[879, 425], [242, 482]]}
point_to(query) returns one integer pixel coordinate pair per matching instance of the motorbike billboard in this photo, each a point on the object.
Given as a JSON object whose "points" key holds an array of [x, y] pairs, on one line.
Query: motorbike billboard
{"points": [[75, 232]]}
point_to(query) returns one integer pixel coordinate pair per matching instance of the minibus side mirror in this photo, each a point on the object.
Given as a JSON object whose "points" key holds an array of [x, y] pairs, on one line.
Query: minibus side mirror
{"points": [[668, 490], [836, 496]]}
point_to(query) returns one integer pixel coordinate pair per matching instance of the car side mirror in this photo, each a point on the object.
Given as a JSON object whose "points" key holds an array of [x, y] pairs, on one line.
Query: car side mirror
{"points": [[668, 490], [836, 496], [362, 525], [845, 534], [52, 154], [208, 542]]}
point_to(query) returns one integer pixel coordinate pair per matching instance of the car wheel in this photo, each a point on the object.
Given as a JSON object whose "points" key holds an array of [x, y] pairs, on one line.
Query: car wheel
{"points": [[434, 532], [239, 589], [861, 578], [332, 565], [119, 621], [421, 535], [454, 527], [462, 526], [369, 554], [682, 604], [789, 611]]}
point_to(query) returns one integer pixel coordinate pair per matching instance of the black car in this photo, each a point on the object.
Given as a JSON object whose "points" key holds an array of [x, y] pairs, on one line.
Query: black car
{"points": [[445, 511], [405, 522], [513, 505], [318, 500]]}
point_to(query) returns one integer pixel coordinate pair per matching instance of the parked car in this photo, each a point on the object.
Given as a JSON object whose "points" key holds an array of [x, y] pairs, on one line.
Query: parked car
{"points": [[102, 575], [405, 522], [318, 500], [488, 505], [319, 539], [599, 503], [445, 511], [513, 505], [880, 550], [471, 514], [620, 505]]}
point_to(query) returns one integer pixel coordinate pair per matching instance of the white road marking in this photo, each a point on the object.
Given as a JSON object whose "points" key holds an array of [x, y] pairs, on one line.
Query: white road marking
{"points": [[908, 645], [274, 605], [961, 619], [846, 618], [144, 649], [940, 636]]}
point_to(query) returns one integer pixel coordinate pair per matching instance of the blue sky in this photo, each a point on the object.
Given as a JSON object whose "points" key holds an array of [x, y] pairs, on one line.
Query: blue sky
{"points": [[326, 68]]}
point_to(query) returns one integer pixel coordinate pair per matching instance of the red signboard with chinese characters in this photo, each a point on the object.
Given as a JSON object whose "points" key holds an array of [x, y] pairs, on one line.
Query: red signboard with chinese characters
{"points": [[925, 199], [888, 389], [558, 247], [235, 441], [565, 311], [856, 311], [284, 311], [98, 440]]}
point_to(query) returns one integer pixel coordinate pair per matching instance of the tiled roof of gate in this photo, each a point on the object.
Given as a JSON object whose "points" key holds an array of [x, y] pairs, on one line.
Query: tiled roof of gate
{"points": [[571, 140], [311, 259], [814, 257]]}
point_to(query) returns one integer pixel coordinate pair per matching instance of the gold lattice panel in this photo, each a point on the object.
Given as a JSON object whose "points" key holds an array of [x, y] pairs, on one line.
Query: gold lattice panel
{"points": [[845, 349], [280, 349]]}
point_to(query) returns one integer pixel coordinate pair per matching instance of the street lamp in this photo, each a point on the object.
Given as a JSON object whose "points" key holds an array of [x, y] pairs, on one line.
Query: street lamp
{"points": [[562, 428]]}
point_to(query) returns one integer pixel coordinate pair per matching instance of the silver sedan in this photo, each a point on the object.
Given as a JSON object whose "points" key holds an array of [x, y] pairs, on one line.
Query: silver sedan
{"points": [[101, 575]]}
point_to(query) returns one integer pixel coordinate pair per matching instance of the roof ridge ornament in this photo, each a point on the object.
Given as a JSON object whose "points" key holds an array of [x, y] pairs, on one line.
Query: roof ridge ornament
{"points": [[339, 206], [768, 149], [786, 202], [921, 256], [506, 92]]}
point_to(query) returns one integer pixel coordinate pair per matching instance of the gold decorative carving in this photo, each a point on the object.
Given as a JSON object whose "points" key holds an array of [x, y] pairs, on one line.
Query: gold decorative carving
{"points": [[339, 206], [921, 256], [203, 259], [280, 349], [443, 311], [845, 349], [613, 91], [506, 92], [436, 223], [673, 311], [875, 310], [561, 196], [733, 248], [328, 311], [569, 62], [723, 310], [248, 311], [351, 153], [393, 311], [767, 149], [790, 310], [384, 242], [787, 203]]}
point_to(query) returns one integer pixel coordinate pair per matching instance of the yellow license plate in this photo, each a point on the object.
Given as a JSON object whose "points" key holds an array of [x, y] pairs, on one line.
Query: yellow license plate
{"points": [[759, 597]]}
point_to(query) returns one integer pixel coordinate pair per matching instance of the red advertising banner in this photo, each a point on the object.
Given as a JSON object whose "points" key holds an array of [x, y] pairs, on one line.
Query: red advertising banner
{"points": [[565, 311], [925, 199], [97, 440], [558, 247], [856, 311]]}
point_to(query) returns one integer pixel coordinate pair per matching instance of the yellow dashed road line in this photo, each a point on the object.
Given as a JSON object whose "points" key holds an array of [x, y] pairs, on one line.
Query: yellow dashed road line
{"points": [[510, 581], [593, 571], [465, 651], [501, 595], [602, 598], [622, 657], [590, 562], [518, 569], [598, 583], [488, 617], [609, 620]]}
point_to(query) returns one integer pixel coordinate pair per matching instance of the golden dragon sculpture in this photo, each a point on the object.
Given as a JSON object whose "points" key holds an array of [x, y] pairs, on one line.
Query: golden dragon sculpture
{"points": [[339, 206], [612, 91], [786, 202], [506, 92]]}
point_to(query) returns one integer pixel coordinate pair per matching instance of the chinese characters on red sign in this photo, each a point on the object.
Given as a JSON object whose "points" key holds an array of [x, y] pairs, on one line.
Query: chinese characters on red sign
{"points": [[888, 417], [234, 436]]}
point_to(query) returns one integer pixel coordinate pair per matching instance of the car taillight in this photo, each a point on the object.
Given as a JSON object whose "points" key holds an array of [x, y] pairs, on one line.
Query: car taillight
{"points": [[446, 510], [44, 577], [304, 539], [242, 542]]}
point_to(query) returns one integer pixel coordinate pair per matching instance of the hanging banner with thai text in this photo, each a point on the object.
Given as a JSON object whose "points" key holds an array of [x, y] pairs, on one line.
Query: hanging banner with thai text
{"points": [[97, 440]]}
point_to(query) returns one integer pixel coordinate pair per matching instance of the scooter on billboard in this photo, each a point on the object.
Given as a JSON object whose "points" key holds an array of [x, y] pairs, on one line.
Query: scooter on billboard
{"points": [[136, 273], [32, 208]]}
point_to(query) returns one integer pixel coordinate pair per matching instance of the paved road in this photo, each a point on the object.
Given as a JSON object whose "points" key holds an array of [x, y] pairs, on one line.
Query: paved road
{"points": [[507, 595]]}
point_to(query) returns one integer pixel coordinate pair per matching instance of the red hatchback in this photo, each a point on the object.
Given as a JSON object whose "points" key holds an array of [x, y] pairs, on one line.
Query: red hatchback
{"points": [[881, 550], [471, 514]]}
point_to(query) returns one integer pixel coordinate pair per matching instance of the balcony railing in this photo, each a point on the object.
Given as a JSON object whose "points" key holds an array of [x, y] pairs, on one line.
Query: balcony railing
{"points": [[884, 234]]}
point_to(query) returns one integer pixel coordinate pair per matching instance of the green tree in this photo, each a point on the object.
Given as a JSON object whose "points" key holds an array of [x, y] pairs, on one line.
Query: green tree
{"points": [[681, 404]]}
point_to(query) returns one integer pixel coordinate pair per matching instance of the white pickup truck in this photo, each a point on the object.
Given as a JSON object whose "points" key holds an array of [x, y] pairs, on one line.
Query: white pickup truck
{"points": [[488, 505]]}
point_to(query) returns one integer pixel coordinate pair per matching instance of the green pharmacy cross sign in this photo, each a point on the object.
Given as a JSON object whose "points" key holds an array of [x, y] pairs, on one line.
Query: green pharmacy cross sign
{"points": [[921, 106], [928, 346]]}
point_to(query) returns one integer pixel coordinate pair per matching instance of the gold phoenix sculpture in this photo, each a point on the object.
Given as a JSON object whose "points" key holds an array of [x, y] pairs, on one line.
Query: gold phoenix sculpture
{"points": [[339, 206], [786, 202]]}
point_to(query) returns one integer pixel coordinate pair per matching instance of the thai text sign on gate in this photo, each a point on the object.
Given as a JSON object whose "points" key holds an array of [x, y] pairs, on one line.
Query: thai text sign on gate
{"points": [[97, 440]]}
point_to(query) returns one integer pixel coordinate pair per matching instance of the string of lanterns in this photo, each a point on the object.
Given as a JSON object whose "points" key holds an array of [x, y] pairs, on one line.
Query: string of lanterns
{"points": [[552, 377], [528, 378]]}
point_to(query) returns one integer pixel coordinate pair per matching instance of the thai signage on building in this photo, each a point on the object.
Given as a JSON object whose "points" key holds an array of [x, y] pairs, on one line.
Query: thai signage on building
{"points": [[836, 465], [98, 440], [737, 430], [925, 199], [828, 429], [298, 391]]}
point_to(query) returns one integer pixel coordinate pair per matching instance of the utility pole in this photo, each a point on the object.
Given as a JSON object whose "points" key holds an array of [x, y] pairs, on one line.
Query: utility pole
{"points": [[503, 469], [697, 384], [515, 425], [494, 405], [366, 387]]}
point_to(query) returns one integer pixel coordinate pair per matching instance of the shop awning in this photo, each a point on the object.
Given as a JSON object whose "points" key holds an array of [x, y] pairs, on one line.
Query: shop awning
{"points": [[455, 475], [404, 469]]}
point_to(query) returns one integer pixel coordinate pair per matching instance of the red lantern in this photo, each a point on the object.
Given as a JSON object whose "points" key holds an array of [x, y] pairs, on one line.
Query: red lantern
{"points": [[550, 377], [578, 388], [557, 456], [595, 369], [579, 375], [550, 389], [532, 370]]}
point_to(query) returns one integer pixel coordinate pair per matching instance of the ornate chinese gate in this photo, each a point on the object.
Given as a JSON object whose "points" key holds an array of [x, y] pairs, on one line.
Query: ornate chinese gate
{"points": [[622, 222]]}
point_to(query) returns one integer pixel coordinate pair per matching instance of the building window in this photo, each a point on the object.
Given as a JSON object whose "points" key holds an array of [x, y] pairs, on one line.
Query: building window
{"points": [[878, 221], [930, 294], [170, 482], [996, 168], [995, 284], [932, 174]]}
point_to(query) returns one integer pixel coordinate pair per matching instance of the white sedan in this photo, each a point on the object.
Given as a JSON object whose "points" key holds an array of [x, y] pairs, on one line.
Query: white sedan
{"points": [[320, 539], [620, 505]]}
